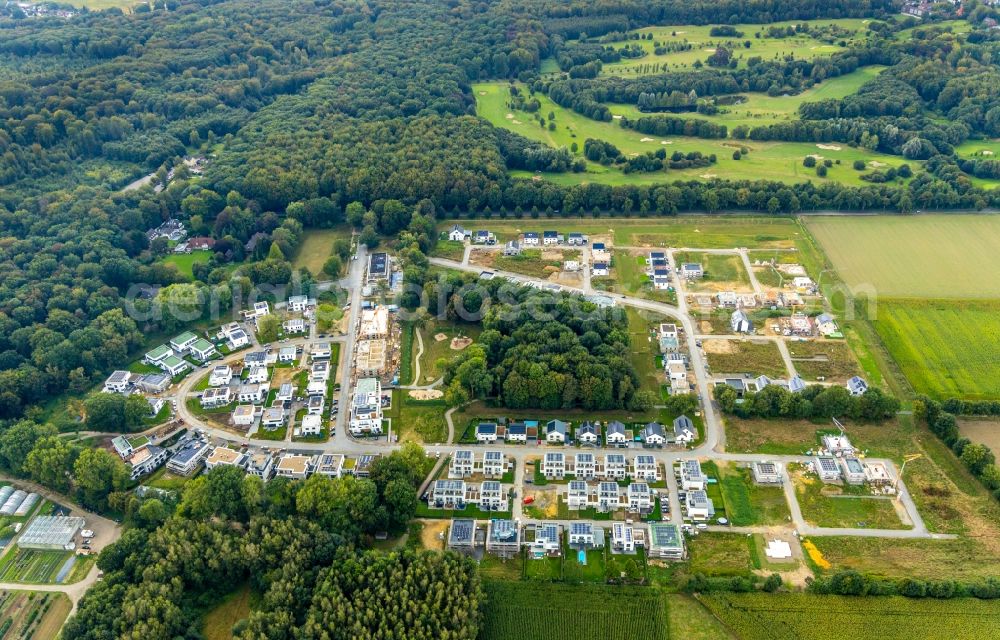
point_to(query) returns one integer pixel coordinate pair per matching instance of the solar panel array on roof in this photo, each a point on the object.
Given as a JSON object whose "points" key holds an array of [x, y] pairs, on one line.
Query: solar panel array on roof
{"points": [[581, 528], [462, 531], [503, 530]]}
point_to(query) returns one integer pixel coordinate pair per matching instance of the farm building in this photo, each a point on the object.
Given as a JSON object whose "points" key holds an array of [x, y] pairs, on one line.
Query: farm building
{"points": [[51, 533]]}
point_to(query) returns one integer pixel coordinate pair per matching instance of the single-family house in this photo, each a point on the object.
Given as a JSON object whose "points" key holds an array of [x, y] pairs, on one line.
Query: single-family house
{"points": [[320, 351], [294, 466], [727, 299], [330, 465], [285, 393], [652, 435], [854, 471], [547, 541], [512, 248], [216, 397], [615, 466], [837, 444], [614, 435], [857, 386], [576, 238], [530, 238], [260, 464], [692, 477], [203, 350], [153, 382], [320, 371], [825, 324], [645, 468], [876, 473], [740, 322], [298, 304], [517, 432], [272, 418], [600, 253], [294, 325], [183, 342], [118, 382], [378, 267], [555, 431], [287, 354], [699, 506], [684, 431], [316, 388], [482, 236], [158, 355], [624, 537], [827, 468], [577, 495], [221, 376], [311, 425], [486, 432], [803, 284], [237, 339], [666, 541], [494, 463], [766, 472], [641, 498], [554, 465], [691, 270], [584, 466], [463, 464], [550, 238], [599, 269], [588, 433], [584, 535], [608, 496], [315, 404], [668, 336], [503, 538], [174, 365], [458, 233], [243, 415], [252, 393], [661, 279], [257, 375]]}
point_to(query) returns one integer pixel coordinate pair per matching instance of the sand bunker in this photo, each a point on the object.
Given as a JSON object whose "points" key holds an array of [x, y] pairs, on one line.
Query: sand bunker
{"points": [[828, 147], [440, 336], [515, 122], [617, 116], [708, 176], [646, 140], [457, 344], [510, 116], [426, 394]]}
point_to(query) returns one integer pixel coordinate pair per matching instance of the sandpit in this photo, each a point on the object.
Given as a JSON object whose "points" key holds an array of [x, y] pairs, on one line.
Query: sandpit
{"points": [[666, 141], [515, 122], [457, 344], [482, 93], [646, 140], [440, 337], [426, 394], [828, 147], [987, 152], [710, 50], [548, 254]]}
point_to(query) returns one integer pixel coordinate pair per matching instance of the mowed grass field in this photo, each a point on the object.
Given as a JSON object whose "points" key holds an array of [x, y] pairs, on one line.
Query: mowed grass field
{"points": [[703, 44], [760, 616], [925, 256], [317, 247], [765, 160], [946, 348]]}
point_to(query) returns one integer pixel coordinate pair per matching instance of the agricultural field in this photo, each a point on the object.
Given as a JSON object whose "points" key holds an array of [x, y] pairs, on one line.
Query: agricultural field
{"points": [[982, 431], [515, 610], [689, 620], [744, 356], [930, 256], [749, 504], [719, 554], [317, 247], [703, 44], [945, 348], [184, 262], [760, 616], [30, 565], [827, 359], [765, 160], [32, 615], [833, 505]]}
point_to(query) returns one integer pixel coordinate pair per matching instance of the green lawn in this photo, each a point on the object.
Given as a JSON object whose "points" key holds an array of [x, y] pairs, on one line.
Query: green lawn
{"points": [[450, 249], [750, 504], [721, 271], [435, 350], [824, 505], [833, 360], [629, 277], [945, 348], [317, 246], [184, 262], [802, 46], [765, 161]]}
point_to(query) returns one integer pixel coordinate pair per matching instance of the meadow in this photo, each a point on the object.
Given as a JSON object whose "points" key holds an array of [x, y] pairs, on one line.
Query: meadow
{"points": [[744, 356], [765, 160], [184, 262], [811, 617], [703, 44], [316, 248], [933, 256], [945, 348], [515, 610]]}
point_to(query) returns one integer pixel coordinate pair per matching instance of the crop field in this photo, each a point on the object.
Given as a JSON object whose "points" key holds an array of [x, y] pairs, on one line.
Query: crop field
{"points": [[316, 247], [930, 256], [703, 45], [808, 617], [982, 431], [32, 615], [765, 160], [744, 356], [944, 348], [515, 610], [29, 565]]}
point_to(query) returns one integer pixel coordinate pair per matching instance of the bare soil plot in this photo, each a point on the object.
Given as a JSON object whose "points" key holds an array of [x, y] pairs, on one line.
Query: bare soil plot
{"points": [[829, 359]]}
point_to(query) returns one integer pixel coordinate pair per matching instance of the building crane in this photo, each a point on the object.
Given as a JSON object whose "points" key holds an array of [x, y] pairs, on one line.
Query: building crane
{"points": [[899, 478]]}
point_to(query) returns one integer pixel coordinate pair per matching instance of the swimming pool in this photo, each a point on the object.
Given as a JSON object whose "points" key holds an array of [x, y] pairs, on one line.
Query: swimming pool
{"points": [[581, 557]]}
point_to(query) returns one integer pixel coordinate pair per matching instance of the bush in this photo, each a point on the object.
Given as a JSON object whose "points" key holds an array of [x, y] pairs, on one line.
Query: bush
{"points": [[809, 161], [859, 165]]}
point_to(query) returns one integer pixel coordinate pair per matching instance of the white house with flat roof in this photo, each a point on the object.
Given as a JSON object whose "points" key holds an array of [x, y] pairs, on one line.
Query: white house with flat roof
{"points": [[692, 478], [183, 342], [243, 415], [221, 376], [118, 382], [554, 465]]}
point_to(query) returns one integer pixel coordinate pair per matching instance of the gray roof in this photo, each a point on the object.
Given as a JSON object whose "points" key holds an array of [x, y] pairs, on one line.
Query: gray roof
{"points": [[652, 429], [557, 426], [683, 423], [616, 427]]}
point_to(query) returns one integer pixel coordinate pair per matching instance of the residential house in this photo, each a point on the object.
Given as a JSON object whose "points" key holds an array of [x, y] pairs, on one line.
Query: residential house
{"points": [[641, 498], [503, 538], [766, 472], [803, 284], [287, 354], [691, 270], [237, 339], [183, 342], [512, 248], [577, 495], [272, 418], [547, 541], [153, 382], [584, 466], [378, 267], [608, 496], [221, 376], [295, 325], [243, 415], [727, 299], [173, 365], [615, 466], [257, 375], [877, 474], [669, 339], [838, 444], [600, 253], [483, 236], [588, 433], [298, 304], [698, 505], [122, 446], [599, 269], [494, 463], [252, 393], [188, 457], [576, 238], [555, 431], [203, 350], [463, 464], [492, 497], [330, 465], [554, 465], [316, 388], [692, 477], [320, 371], [447, 494], [216, 397], [857, 386], [320, 351], [854, 471], [796, 384], [255, 359], [225, 457], [158, 355], [827, 468], [584, 535], [118, 382], [652, 435], [315, 405], [458, 234], [740, 322], [311, 425], [645, 468], [517, 432], [625, 537], [366, 408], [571, 265], [746, 300], [486, 432], [614, 435], [146, 459], [285, 393], [550, 238], [666, 541], [462, 535], [530, 238], [260, 464], [661, 279], [294, 466], [684, 430]]}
